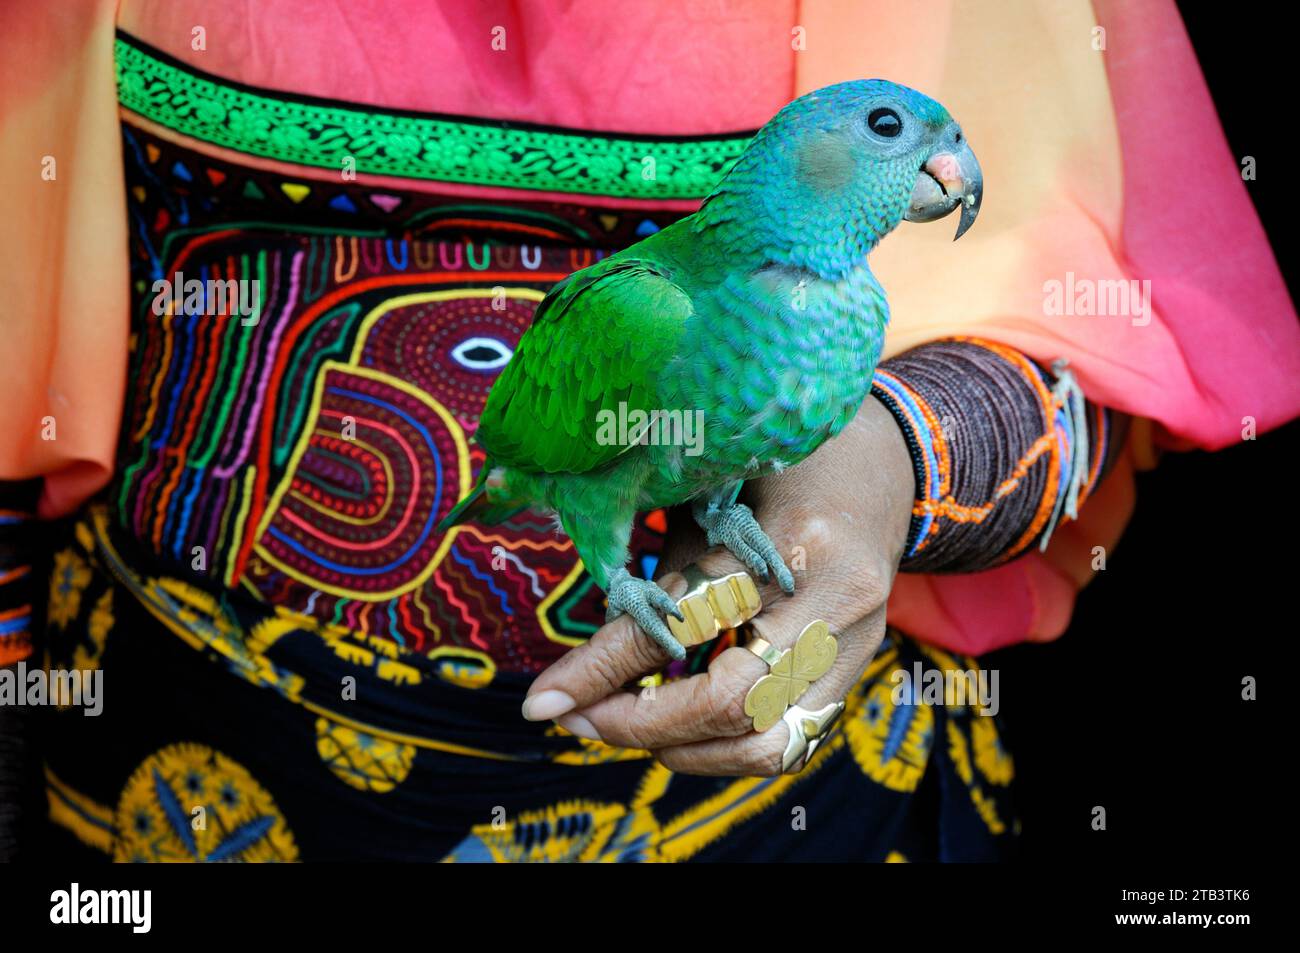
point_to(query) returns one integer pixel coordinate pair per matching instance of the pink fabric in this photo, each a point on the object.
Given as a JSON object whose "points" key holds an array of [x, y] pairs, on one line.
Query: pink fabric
{"points": [[1198, 239], [616, 66], [609, 65]]}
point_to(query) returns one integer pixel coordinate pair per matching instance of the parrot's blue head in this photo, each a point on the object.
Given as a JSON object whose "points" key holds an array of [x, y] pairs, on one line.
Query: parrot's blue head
{"points": [[837, 169]]}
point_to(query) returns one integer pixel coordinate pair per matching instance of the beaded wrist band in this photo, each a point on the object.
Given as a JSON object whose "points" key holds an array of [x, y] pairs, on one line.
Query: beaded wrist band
{"points": [[1002, 450], [17, 518]]}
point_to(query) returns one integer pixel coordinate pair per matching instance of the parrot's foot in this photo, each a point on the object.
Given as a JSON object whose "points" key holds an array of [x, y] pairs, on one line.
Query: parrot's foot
{"points": [[639, 598], [734, 526]]}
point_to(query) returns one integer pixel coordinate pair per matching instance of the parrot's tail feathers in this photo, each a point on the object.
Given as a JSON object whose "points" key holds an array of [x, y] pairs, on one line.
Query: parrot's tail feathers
{"points": [[462, 510], [476, 507]]}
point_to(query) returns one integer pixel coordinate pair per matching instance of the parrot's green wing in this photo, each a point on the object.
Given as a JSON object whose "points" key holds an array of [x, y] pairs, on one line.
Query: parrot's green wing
{"points": [[600, 338]]}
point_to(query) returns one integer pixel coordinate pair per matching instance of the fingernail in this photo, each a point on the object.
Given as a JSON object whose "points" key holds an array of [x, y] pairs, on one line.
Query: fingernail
{"points": [[547, 705], [580, 726]]}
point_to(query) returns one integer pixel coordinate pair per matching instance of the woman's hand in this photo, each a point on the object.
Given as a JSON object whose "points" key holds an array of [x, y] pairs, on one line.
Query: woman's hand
{"points": [[840, 519]]}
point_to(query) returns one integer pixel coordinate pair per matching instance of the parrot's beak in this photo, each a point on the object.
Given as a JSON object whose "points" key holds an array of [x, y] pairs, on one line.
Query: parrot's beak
{"points": [[950, 177]]}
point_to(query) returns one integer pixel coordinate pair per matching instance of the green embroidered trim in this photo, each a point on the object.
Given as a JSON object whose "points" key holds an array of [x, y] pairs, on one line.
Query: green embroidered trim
{"points": [[275, 126]]}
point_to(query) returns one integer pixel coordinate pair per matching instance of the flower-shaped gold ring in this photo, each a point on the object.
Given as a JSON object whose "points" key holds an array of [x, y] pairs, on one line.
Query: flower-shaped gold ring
{"points": [[789, 672]]}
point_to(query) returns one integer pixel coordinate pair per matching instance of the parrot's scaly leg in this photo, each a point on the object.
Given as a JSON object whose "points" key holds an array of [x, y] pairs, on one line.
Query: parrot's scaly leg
{"points": [[601, 540], [732, 524], [600, 534], [639, 598]]}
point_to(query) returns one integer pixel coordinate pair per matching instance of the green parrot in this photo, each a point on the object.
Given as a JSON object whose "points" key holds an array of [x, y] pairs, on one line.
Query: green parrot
{"points": [[756, 316]]}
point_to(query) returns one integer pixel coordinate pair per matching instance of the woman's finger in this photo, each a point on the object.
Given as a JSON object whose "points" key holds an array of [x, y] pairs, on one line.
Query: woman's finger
{"points": [[618, 653], [708, 705]]}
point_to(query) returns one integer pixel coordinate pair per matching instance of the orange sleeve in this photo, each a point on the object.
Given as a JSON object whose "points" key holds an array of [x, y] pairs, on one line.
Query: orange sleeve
{"points": [[64, 295]]}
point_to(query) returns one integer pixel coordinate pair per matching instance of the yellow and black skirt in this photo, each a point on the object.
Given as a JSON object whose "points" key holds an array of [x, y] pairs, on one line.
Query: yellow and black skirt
{"points": [[228, 732]]}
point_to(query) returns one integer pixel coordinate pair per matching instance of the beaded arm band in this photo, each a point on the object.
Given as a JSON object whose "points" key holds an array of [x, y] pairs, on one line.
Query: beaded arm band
{"points": [[17, 521], [1003, 450], [17, 518]]}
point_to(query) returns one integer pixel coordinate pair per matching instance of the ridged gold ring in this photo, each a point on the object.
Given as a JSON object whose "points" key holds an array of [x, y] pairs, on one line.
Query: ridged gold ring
{"points": [[789, 672], [808, 729], [713, 604]]}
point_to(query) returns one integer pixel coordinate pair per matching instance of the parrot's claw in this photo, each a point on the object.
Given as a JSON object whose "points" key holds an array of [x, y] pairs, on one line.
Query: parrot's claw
{"points": [[735, 528], [640, 598]]}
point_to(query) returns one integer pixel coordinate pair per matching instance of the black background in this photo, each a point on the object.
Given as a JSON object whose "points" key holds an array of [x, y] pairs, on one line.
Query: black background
{"points": [[1138, 707]]}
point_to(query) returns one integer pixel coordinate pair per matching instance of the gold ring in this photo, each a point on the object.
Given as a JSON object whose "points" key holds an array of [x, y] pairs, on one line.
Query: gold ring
{"points": [[713, 604], [808, 729], [765, 650], [789, 672]]}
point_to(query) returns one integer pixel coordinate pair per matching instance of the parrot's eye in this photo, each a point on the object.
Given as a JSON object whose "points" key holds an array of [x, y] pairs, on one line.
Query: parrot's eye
{"points": [[885, 123]]}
